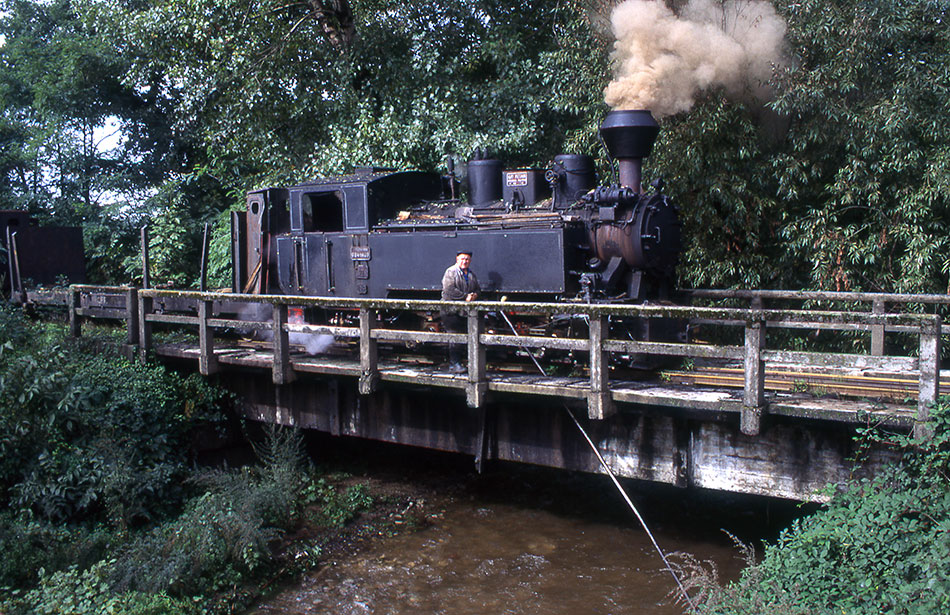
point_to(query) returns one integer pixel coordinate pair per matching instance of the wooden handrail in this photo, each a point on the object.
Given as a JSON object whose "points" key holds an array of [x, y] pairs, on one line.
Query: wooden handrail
{"points": [[755, 322], [817, 295]]}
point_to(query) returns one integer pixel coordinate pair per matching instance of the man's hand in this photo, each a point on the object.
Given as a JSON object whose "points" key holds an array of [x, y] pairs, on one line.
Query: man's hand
{"points": [[471, 296]]}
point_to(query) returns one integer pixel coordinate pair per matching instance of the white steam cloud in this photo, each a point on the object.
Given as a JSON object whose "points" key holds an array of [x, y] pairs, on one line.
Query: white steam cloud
{"points": [[313, 343], [662, 60]]}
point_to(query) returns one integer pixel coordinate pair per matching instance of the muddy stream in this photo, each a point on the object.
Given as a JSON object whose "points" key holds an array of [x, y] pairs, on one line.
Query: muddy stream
{"points": [[520, 540]]}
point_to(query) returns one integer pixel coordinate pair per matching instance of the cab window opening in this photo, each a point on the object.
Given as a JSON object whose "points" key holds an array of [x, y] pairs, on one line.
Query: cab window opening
{"points": [[322, 212]]}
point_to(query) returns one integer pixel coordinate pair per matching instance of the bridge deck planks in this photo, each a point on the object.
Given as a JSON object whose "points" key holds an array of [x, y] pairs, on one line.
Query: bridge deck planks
{"points": [[680, 397]]}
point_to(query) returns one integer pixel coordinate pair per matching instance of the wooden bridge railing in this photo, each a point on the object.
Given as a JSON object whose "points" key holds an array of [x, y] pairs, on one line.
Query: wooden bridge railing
{"points": [[753, 354], [877, 303]]}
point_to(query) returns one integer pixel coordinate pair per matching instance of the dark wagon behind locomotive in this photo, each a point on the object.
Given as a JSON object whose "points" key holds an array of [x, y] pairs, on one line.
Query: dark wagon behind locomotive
{"points": [[550, 234], [30, 260]]}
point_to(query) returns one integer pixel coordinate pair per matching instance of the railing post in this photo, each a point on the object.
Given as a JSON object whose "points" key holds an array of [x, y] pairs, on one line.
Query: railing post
{"points": [[131, 347], [205, 249], [877, 331], [132, 316], [282, 371], [929, 374], [145, 327], [477, 386], [599, 403], [143, 240], [753, 402], [14, 255], [369, 351], [207, 361], [11, 267], [75, 323]]}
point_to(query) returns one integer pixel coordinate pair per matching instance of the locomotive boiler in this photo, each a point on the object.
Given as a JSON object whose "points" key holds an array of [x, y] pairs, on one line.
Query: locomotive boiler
{"points": [[535, 234]]}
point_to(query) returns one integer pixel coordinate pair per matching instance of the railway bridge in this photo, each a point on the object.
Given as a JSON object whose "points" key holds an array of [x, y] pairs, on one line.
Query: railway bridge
{"points": [[743, 410]]}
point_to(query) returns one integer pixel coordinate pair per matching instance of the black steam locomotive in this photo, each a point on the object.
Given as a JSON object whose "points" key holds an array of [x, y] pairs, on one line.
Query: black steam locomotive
{"points": [[550, 234]]}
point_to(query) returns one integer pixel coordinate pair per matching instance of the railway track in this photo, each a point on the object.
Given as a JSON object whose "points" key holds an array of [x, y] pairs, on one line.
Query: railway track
{"points": [[895, 387], [892, 387]]}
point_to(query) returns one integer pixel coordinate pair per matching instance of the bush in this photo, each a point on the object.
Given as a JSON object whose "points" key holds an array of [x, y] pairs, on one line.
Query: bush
{"points": [[94, 437], [86, 437], [90, 447], [29, 546], [880, 546], [335, 508], [13, 328], [203, 558], [219, 252], [100, 509], [85, 592], [226, 532]]}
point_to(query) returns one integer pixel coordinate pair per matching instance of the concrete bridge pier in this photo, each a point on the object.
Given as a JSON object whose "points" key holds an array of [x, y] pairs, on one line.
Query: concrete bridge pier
{"points": [[787, 458]]}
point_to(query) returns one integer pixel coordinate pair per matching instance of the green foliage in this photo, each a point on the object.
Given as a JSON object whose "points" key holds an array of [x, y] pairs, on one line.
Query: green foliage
{"points": [[485, 80], [91, 437], [14, 330], [57, 86], [731, 216], [87, 592], [75, 446], [273, 102], [31, 545], [222, 535], [101, 512], [880, 546], [77, 146], [283, 459], [754, 594], [842, 182], [225, 533], [336, 508], [110, 243], [866, 165], [219, 257], [172, 248]]}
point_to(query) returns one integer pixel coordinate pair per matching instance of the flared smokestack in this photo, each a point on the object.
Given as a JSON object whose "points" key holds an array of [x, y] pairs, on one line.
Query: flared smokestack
{"points": [[629, 137]]}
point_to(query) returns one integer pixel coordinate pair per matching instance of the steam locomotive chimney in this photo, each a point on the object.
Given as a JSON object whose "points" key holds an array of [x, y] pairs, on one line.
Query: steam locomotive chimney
{"points": [[629, 137]]}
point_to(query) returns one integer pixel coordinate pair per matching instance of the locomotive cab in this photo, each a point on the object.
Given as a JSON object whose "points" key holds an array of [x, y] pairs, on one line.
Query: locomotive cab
{"points": [[312, 239]]}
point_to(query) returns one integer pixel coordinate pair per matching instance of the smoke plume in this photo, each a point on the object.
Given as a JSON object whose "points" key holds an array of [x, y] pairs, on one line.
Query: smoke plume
{"points": [[662, 60], [313, 343]]}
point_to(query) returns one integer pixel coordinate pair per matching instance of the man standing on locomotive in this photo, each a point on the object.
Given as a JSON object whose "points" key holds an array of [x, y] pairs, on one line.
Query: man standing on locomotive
{"points": [[458, 284]]}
